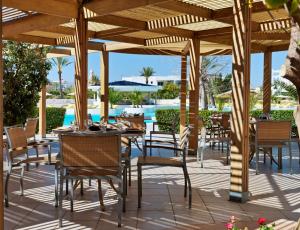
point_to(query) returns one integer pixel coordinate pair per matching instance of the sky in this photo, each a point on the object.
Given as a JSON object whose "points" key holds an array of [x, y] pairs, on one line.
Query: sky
{"points": [[121, 65]]}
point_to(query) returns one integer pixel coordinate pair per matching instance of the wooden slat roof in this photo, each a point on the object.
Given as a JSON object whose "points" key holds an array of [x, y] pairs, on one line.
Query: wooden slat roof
{"points": [[149, 26]]}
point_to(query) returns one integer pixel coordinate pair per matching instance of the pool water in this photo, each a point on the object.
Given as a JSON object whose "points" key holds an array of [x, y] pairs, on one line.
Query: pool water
{"points": [[69, 118]]}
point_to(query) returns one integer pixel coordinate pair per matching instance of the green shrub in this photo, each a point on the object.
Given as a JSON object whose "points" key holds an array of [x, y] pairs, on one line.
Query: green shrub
{"points": [[54, 118], [169, 115]]}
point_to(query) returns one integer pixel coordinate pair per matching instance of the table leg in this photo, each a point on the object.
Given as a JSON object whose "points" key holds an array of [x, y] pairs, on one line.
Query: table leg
{"points": [[280, 158]]}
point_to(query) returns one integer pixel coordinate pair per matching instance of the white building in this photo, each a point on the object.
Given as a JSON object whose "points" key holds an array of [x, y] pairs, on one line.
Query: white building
{"points": [[154, 80]]}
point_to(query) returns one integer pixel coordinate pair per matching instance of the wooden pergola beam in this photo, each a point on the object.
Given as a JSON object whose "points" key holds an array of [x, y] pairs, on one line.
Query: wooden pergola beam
{"points": [[104, 76], [120, 21], [267, 82], [81, 70], [122, 38], [1, 127], [239, 160], [69, 41], [186, 8], [105, 7], [31, 23], [42, 112], [60, 51], [275, 25], [261, 36], [31, 39], [50, 7], [142, 26], [183, 92]]}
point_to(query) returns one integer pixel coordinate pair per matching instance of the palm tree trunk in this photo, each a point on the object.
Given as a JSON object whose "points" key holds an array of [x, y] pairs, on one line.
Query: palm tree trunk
{"points": [[60, 85], [203, 93]]}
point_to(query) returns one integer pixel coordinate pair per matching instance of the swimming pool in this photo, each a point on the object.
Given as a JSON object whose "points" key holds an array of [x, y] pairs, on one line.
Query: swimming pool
{"points": [[149, 112]]}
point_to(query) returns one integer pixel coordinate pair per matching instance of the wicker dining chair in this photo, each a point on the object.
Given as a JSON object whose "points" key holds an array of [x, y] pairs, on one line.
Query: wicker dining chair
{"points": [[18, 157], [161, 161], [91, 156], [30, 130], [273, 134], [166, 136]]}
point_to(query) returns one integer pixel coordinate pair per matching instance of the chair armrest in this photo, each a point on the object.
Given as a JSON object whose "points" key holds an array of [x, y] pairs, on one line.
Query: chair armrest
{"points": [[159, 141], [162, 147], [161, 132], [11, 150]]}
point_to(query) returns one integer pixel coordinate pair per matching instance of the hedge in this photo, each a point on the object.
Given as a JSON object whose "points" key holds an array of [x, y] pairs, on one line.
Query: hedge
{"points": [[54, 118], [168, 116]]}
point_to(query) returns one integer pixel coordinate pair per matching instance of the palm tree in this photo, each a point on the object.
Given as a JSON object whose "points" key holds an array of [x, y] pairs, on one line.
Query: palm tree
{"points": [[210, 66], [114, 97], [289, 89], [60, 62], [147, 72], [291, 69]]}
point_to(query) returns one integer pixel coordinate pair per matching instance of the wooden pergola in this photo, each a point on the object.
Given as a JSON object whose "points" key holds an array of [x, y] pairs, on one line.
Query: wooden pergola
{"points": [[157, 27]]}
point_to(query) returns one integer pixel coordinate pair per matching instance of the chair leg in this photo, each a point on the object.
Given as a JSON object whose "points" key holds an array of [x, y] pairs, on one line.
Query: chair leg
{"points": [[67, 187], [71, 195], [202, 153], [27, 165], [257, 159], [61, 188], [124, 190], [125, 179], [186, 175], [90, 182], [100, 194], [21, 182], [185, 183], [139, 184], [56, 186], [6, 188], [37, 155], [291, 157], [120, 202], [129, 172], [81, 187]]}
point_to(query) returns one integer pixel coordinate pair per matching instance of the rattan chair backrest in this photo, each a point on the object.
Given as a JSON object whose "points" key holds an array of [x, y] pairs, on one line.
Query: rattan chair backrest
{"points": [[273, 130], [136, 122], [225, 121], [16, 137], [30, 127], [90, 150]]}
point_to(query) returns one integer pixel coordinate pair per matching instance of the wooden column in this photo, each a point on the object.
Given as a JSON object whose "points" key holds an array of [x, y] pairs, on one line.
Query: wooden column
{"points": [[42, 112], [183, 93], [104, 84], [194, 92], [81, 73], [1, 128], [267, 92], [239, 178]]}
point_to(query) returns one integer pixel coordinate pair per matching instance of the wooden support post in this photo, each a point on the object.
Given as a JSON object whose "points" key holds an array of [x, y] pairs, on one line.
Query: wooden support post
{"points": [[81, 73], [267, 91], [1, 128], [104, 84], [194, 93], [42, 112], [183, 93], [239, 178]]}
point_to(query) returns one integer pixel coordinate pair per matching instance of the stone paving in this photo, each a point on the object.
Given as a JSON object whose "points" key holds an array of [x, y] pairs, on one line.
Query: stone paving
{"points": [[275, 195]]}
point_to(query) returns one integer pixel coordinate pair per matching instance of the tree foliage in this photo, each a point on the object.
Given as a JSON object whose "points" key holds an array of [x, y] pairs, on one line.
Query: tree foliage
{"points": [[285, 89], [169, 91], [136, 98], [94, 80], [221, 84], [147, 72], [60, 63], [114, 97], [25, 71]]}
